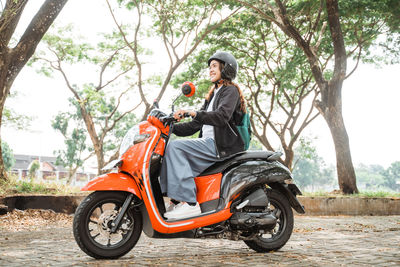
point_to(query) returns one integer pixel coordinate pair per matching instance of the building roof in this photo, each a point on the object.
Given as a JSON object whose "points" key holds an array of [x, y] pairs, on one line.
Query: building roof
{"points": [[22, 162]]}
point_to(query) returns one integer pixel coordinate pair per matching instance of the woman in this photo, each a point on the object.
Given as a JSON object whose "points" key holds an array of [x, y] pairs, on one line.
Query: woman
{"points": [[185, 159]]}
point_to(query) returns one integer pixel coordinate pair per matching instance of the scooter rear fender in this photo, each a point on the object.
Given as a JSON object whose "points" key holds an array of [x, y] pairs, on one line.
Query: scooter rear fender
{"points": [[113, 182]]}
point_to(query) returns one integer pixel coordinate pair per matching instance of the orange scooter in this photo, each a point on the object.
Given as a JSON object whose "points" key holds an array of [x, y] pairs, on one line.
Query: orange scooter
{"points": [[248, 197]]}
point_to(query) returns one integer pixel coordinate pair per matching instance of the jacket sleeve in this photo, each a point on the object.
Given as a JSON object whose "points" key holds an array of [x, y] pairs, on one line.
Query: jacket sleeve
{"points": [[228, 100], [188, 128]]}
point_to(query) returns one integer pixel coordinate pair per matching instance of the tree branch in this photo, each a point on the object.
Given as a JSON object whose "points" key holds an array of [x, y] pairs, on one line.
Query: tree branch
{"points": [[33, 34], [339, 71], [9, 19]]}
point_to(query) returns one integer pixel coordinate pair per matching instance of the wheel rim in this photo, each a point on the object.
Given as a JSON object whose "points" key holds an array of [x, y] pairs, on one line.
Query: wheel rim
{"points": [[98, 225], [281, 223]]}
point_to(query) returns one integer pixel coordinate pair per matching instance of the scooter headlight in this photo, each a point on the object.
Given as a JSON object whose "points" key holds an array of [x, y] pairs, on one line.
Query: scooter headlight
{"points": [[131, 138]]}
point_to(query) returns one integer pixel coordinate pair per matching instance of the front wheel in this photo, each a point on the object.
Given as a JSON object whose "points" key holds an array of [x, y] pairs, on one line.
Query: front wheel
{"points": [[92, 225], [277, 237]]}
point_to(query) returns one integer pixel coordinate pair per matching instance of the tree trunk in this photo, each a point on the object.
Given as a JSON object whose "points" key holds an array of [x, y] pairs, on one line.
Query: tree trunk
{"points": [[344, 165], [12, 60], [3, 172], [331, 110], [289, 156], [100, 161], [71, 174]]}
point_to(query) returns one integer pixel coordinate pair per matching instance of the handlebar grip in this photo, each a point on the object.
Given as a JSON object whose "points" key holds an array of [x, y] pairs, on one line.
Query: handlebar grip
{"points": [[185, 115], [167, 119]]}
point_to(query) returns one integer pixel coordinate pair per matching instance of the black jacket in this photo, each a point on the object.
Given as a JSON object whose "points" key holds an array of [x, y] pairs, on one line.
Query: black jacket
{"points": [[225, 115]]}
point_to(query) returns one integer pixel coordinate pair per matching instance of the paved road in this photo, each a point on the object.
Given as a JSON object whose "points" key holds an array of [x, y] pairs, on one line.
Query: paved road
{"points": [[316, 241]]}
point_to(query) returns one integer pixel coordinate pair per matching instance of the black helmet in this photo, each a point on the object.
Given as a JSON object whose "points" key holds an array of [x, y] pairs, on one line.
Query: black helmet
{"points": [[230, 64]]}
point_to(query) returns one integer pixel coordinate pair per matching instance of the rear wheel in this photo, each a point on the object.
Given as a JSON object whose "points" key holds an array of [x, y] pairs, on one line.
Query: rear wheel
{"points": [[277, 237], [92, 225]]}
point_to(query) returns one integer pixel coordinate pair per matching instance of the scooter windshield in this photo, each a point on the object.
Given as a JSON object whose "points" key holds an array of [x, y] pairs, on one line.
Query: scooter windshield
{"points": [[129, 139]]}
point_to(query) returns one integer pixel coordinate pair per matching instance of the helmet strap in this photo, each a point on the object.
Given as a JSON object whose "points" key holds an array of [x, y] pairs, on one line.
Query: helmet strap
{"points": [[218, 83]]}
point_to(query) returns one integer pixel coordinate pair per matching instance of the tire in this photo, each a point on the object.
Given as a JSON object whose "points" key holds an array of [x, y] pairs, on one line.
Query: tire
{"points": [[92, 223], [283, 229]]}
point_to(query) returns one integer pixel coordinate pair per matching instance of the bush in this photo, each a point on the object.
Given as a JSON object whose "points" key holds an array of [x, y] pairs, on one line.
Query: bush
{"points": [[13, 186]]}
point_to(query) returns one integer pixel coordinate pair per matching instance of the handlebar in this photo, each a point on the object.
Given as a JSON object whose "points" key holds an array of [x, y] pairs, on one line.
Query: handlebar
{"points": [[169, 119]]}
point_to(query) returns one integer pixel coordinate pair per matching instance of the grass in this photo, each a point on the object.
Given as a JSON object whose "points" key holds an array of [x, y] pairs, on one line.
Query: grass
{"points": [[24, 187], [371, 194]]}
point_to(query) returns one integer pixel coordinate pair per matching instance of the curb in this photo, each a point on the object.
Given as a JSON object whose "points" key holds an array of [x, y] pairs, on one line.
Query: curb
{"points": [[315, 206], [61, 204], [354, 206]]}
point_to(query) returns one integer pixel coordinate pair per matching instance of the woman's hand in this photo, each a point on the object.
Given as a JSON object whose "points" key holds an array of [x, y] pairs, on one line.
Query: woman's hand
{"points": [[178, 115]]}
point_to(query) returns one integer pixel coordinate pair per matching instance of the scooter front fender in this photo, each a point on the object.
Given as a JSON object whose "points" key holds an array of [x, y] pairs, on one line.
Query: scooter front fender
{"points": [[115, 181]]}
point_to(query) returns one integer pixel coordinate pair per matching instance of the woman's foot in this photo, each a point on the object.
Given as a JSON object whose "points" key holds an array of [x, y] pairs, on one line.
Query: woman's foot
{"points": [[170, 206], [183, 210]]}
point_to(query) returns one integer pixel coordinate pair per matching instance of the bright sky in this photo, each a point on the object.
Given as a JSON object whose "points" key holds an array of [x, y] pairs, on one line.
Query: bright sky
{"points": [[370, 101]]}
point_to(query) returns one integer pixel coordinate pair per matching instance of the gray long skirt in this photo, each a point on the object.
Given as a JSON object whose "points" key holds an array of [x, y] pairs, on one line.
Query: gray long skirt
{"points": [[184, 160]]}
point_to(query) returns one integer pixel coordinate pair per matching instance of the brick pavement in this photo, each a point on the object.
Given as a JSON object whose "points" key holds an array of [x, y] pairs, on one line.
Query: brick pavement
{"points": [[316, 241]]}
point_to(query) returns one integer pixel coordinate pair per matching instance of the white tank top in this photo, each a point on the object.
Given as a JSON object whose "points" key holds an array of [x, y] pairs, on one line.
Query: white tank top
{"points": [[208, 130]]}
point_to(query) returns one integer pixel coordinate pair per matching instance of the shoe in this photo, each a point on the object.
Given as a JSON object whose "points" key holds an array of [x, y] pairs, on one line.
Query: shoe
{"points": [[169, 206], [183, 211]]}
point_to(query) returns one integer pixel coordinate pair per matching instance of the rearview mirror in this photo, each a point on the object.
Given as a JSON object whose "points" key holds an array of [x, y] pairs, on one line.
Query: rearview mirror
{"points": [[188, 89]]}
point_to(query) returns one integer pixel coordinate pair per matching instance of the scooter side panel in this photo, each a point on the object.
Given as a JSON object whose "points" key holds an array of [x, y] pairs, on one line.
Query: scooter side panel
{"points": [[208, 187], [113, 182], [249, 174]]}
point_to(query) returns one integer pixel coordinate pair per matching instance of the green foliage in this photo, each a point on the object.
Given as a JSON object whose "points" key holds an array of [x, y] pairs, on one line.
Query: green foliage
{"points": [[310, 169], [369, 177], [75, 143], [374, 23], [373, 26], [391, 176], [67, 48], [14, 186], [196, 72], [376, 177], [8, 156], [34, 166], [10, 118], [377, 194], [255, 144], [311, 172]]}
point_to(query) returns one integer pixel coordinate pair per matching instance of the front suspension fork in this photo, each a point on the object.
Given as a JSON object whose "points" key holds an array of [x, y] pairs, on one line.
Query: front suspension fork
{"points": [[116, 223]]}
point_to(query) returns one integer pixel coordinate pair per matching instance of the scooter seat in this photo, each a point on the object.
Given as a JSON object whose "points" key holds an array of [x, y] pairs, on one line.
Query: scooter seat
{"points": [[239, 158]]}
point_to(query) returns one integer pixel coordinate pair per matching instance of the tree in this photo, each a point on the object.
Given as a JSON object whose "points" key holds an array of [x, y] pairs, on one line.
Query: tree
{"points": [[8, 156], [98, 110], [370, 176], [309, 169], [355, 26], [13, 59], [33, 168], [75, 142], [392, 176]]}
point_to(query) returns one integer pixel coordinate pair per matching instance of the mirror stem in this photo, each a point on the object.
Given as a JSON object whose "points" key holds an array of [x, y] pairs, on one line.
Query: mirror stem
{"points": [[173, 106]]}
